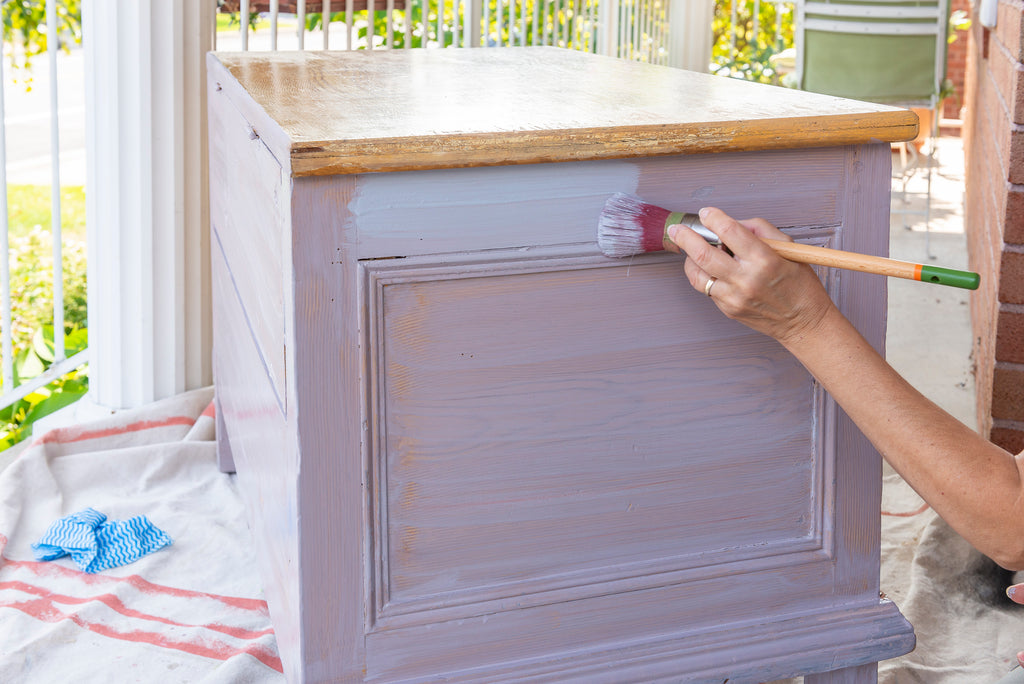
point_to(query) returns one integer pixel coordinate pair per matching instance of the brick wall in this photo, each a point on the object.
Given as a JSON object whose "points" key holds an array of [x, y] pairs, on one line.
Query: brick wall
{"points": [[994, 219], [956, 66]]}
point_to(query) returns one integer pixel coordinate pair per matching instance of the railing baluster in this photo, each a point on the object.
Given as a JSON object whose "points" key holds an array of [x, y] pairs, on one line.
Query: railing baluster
{"points": [[440, 23], [243, 23], [545, 13], [325, 22], [536, 40], [52, 40], [389, 28], [348, 23], [273, 24], [371, 10], [733, 13], [591, 26], [556, 22], [620, 39], [300, 23], [522, 23], [408, 24], [649, 30], [632, 44], [456, 22]]}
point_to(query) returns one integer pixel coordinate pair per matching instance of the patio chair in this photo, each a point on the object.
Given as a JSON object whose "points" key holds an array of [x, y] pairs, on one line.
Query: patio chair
{"points": [[885, 51]]}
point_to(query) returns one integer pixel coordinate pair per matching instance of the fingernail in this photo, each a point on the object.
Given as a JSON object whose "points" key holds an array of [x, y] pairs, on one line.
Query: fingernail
{"points": [[703, 212], [1011, 591], [672, 230]]}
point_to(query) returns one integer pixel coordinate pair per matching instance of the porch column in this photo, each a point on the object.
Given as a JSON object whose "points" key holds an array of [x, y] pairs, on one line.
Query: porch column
{"points": [[689, 33], [146, 202]]}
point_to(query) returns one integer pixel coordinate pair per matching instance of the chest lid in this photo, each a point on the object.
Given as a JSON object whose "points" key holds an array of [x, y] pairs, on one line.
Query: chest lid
{"points": [[399, 110]]}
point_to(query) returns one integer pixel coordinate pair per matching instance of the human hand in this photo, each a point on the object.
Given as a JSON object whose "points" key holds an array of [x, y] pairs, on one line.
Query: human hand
{"points": [[754, 285], [1016, 594]]}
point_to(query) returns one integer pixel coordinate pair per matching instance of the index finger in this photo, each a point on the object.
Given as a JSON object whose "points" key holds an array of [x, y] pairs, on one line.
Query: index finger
{"points": [[742, 238]]}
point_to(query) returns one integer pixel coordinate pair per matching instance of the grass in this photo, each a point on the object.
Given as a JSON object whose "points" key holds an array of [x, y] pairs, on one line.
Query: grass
{"points": [[29, 206]]}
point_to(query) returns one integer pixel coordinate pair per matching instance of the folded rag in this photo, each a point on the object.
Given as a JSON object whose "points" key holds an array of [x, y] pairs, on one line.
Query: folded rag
{"points": [[95, 544]]}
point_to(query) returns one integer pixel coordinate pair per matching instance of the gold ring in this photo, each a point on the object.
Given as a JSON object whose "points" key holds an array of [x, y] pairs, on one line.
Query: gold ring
{"points": [[708, 285]]}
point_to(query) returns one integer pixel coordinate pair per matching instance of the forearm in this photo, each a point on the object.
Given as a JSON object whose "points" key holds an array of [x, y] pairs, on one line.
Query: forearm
{"points": [[973, 484]]}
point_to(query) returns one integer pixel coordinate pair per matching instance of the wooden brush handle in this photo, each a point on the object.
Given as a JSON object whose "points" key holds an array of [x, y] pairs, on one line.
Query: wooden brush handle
{"points": [[823, 256]]}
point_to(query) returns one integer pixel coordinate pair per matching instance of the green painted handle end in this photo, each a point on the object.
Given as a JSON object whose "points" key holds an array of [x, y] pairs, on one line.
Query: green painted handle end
{"points": [[948, 276]]}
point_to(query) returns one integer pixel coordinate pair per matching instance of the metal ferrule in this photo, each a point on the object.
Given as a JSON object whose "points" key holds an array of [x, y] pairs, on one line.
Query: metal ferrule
{"points": [[691, 221]]}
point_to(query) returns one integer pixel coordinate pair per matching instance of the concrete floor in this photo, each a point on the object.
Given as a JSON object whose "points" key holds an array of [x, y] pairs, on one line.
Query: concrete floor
{"points": [[929, 327]]}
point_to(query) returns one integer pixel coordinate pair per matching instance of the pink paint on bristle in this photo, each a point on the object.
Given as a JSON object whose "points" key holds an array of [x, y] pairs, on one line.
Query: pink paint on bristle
{"points": [[630, 226]]}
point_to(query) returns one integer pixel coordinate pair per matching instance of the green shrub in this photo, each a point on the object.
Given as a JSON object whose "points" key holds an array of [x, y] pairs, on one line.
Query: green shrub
{"points": [[757, 39], [31, 262]]}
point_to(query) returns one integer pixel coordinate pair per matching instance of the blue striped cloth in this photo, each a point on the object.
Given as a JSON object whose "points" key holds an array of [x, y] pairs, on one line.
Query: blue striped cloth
{"points": [[96, 544]]}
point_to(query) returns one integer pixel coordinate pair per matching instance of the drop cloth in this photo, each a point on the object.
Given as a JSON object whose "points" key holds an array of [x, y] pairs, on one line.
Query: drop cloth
{"points": [[190, 612], [194, 611]]}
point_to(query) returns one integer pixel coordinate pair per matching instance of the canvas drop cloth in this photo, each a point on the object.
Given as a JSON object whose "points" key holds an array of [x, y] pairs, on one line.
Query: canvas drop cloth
{"points": [[190, 612], [968, 632], [194, 611]]}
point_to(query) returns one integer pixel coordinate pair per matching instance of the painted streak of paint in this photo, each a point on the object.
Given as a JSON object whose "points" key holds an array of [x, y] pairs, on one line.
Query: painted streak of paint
{"points": [[464, 209]]}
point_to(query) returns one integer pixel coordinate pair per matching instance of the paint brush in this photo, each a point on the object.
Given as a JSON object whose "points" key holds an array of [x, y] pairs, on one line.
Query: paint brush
{"points": [[629, 226]]}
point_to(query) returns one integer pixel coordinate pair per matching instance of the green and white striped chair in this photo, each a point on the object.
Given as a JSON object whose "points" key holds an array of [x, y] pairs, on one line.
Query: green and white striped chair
{"points": [[885, 51]]}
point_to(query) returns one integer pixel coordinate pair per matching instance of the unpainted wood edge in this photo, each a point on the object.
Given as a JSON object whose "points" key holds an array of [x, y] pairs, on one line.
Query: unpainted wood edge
{"points": [[526, 147], [220, 81]]}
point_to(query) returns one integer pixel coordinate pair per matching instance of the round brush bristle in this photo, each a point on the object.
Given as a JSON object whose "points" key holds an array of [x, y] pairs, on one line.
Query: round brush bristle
{"points": [[628, 226]]}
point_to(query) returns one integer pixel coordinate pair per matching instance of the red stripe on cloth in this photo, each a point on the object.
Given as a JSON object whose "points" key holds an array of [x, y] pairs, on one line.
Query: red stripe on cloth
{"points": [[44, 569], [115, 604], [70, 435], [210, 411], [44, 609], [907, 514]]}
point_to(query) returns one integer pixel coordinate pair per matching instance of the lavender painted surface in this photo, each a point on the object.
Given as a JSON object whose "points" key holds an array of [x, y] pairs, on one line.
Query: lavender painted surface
{"points": [[515, 422], [253, 432], [250, 218], [502, 457]]}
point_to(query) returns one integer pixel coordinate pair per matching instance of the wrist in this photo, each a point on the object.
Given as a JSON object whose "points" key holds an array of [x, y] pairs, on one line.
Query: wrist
{"points": [[812, 326]]}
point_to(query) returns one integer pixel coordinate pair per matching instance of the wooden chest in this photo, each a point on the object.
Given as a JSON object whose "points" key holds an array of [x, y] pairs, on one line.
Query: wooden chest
{"points": [[473, 448]]}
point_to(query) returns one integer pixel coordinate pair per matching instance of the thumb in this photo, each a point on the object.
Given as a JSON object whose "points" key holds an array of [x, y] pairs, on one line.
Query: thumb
{"points": [[1016, 593]]}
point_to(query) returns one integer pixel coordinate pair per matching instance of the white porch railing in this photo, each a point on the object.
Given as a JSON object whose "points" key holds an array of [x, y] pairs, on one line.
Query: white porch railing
{"points": [[61, 364], [631, 29]]}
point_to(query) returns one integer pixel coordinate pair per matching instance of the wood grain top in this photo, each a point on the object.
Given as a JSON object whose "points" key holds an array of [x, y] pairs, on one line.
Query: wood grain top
{"points": [[352, 112]]}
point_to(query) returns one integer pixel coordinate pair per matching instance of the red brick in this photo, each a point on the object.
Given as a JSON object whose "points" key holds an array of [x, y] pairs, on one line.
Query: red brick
{"points": [[1008, 394], [956, 56], [1011, 278], [1008, 438], [1010, 337], [1008, 74], [1010, 28], [1016, 155], [1014, 215]]}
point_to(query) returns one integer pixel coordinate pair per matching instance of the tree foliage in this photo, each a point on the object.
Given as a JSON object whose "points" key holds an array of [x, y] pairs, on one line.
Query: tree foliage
{"points": [[762, 30], [24, 25]]}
